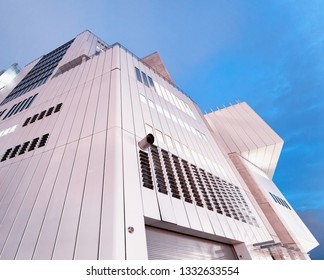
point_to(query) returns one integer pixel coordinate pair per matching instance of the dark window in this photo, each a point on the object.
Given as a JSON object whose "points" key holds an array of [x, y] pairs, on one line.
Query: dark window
{"points": [[1, 113], [150, 81], [138, 74], [145, 79], [22, 105], [39, 74]]}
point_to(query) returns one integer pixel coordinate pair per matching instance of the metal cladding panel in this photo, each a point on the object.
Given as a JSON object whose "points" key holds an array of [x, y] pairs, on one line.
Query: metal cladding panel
{"points": [[64, 247], [89, 224], [89, 119], [13, 231], [167, 245], [134, 219], [35, 220], [48, 233], [112, 229]]}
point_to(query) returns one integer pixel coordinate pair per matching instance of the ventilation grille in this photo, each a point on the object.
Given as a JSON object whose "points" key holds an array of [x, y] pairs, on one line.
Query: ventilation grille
{"points": [[42, 114], [25, 147], [146, 171], [174, 176], [280, 201]]}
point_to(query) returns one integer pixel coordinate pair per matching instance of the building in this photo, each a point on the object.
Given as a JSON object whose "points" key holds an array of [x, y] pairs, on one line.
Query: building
{"points": [[81, 178]]}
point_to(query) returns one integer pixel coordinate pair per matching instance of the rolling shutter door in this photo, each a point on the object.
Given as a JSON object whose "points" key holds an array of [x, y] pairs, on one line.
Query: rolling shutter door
{"points": [[167, 245]]}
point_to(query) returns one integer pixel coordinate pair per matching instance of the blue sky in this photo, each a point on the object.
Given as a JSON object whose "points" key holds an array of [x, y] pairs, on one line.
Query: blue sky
{"points": [[267, 53]]}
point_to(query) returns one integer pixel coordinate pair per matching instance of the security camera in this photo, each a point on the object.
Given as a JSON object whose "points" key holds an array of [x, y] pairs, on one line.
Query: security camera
{"points": [[146, 141]]}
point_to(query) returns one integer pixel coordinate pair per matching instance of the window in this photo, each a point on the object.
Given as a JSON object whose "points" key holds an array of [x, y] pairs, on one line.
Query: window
{"points": [[167, 114], [180, 122], [138, 74], [151, 104], [8, 130], [159, 108], [22, 105], [187, 152], [145, 79], [178, 145], [157, 88], [39, 74], [1, 112], [143, 98], [174, 118], [150, 82], [169, 141]]}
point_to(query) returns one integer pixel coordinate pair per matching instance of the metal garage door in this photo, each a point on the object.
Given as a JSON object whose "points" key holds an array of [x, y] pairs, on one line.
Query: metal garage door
{"points": [[167, 245]]}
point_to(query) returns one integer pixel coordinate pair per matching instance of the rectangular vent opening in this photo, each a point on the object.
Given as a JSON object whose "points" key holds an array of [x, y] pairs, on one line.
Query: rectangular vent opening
{"points": [[24, 148], [43, 141], [33, 144], [49, 111], [41, 115], [6, 154], [26, 121], [58, 107], [33, 119]]}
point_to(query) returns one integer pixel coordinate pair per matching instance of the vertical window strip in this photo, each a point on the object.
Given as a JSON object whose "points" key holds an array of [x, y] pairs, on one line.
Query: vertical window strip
{"points": [[145, 79], [138, 74]]}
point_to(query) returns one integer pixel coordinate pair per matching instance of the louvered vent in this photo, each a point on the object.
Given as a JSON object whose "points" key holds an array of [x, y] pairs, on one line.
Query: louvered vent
{"points": [[27, 146], [42, 114], [170, 175], [182, 180], [146, 171], [158, 172]]}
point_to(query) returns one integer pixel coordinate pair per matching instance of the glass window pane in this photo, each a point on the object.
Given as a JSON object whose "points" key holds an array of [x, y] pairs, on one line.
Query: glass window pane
{"points": [[151, 104], [138, 74], [169, 141], [143, 98], [145, 79], [150, 81], [178, 145]]}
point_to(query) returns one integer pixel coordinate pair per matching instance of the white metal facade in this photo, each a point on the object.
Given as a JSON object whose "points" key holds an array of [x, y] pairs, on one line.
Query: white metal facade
{"points": [[78, 193]]}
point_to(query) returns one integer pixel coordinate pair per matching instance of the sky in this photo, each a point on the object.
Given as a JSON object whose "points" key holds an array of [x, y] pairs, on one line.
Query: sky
{"points": [[269, 54]]}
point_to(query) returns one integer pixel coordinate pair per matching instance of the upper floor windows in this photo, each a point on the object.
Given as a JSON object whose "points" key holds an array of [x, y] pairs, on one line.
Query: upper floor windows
{"points": [[172, 117], [22, 105], [8, 130], [164, 93], [39, 74], [143, 78]]}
